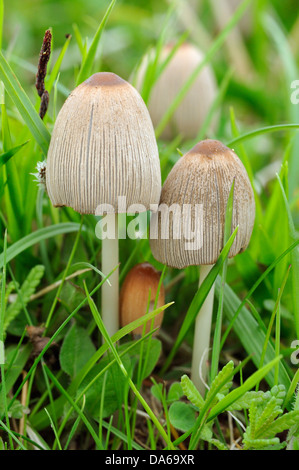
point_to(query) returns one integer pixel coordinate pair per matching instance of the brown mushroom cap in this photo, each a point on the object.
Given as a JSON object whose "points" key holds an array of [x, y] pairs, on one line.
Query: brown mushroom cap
{"points": [[103, 146], [204, 176], [141, 282], [193, 109]]}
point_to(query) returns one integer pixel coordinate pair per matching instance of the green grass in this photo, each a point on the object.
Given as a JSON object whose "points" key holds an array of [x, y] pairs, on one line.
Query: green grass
{"points": [[70, 389]]}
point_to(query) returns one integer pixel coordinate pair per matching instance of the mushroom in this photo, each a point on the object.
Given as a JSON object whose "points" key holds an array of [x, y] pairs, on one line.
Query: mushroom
{"points": [[138, 296], [188, 228], [103, 159], [194, 107]]}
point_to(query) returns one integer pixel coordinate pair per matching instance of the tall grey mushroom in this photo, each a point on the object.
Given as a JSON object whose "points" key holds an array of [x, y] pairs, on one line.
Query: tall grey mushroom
{"points": [[103, 147], [195, 194]]}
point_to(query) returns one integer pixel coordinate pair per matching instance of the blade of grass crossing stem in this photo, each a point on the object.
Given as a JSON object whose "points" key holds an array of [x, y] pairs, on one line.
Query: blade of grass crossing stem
{"points": [[88, 61], [218, 326], [24, 105], [103, 331], [294, 258], [199, 299], [217, 43]]}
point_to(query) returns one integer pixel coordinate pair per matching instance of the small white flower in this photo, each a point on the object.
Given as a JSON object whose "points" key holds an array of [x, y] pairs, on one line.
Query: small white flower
{"points": [[40, 176]]}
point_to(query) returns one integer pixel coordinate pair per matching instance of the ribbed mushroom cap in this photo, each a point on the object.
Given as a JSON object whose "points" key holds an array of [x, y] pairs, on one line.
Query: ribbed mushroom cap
{"points": [[103, 146], [192, 111], [141, 282], [203, 177]]}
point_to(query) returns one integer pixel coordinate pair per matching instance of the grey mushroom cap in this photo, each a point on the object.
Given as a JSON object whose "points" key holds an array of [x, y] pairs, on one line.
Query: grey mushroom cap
{"points": [[190, 115], [103, 146], [202, 179]]}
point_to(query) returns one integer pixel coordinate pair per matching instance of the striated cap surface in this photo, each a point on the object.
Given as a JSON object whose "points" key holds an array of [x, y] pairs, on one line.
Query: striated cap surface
{"points": [[200, 183], [103, 146]]}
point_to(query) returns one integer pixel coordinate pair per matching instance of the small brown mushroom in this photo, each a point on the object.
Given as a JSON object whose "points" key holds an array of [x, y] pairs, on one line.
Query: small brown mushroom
{"points": [[138, 295], [201, 182]]}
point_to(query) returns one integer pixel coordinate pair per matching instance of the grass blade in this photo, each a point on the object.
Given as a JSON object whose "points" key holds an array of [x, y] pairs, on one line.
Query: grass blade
{"points": [[6, 156], [55, 71], [35, 237], [88, 60], [24, 105], [261, 131]]}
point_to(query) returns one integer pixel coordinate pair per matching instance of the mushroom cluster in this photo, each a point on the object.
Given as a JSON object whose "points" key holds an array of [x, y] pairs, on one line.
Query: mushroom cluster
{"points": [[103, 148]]}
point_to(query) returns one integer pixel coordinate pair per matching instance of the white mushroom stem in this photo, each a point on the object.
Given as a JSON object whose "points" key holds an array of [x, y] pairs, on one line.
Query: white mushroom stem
{"points": [[202, 335], [110, 293]]}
